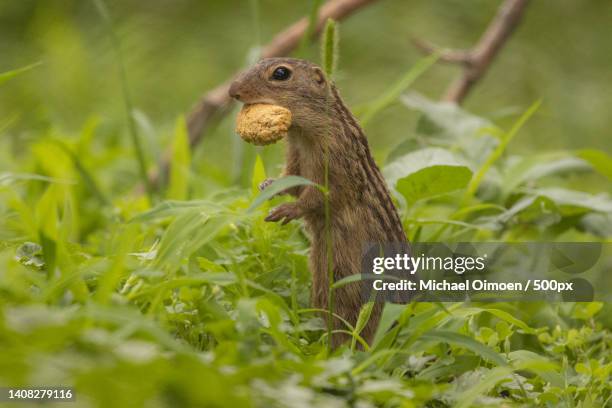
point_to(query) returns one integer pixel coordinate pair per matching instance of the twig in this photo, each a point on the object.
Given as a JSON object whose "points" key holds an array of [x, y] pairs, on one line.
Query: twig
{"points": [[477, 60], [445, 54], [216, 102]]}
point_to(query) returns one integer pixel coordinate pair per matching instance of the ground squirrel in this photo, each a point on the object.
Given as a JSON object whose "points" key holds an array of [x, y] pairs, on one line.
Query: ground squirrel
{"points": [[361, 209]]}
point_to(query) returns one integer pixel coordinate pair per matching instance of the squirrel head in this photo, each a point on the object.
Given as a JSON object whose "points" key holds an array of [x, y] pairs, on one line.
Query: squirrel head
{"points": [[294, 84]]}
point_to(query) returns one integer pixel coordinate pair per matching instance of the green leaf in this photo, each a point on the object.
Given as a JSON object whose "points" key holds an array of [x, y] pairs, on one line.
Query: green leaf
{"points": [[197, 279], [7, 179], [406, 146], [585, 311], [539, 364], [572, 201], [501, 314], [469, 343], [556, 167], [187, 233], [427, 173], [6, 76], [177, 235], [597, 224], [88, 179], [168, 209], [207, 265], [488, 381], [539, 166], [499, 150], [364, 316], [582, 368], [47, 211], [347, 280], [259, 174], [433, 181], [453, 368], [109, 280], [390, 314], [393, 93], [444, 119], [178, 187], [278, 186], [447, 125], [601, 161], [30, 254], [541, 210]]}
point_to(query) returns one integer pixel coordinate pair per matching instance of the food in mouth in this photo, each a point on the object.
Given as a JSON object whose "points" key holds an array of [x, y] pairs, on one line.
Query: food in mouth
{"points": [[263, 124]]}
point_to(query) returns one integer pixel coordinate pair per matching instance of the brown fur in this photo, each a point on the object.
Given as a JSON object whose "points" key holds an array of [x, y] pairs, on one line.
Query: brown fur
{"points": [[361, 210]]}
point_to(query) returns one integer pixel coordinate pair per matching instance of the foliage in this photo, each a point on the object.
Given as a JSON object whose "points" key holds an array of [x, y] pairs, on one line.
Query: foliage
{"points": [[196, 301]]}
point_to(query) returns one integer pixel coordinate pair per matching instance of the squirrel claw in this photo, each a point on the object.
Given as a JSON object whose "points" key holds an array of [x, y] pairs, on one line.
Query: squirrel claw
{"points": [[286, 212]]}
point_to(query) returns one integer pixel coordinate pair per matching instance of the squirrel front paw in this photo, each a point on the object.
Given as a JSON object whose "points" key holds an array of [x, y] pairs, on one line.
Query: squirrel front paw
{"points": [[285, 212]]}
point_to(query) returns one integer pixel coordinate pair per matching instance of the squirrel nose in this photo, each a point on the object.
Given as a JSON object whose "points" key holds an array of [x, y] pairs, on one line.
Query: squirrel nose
{"points": [[233, 90]]}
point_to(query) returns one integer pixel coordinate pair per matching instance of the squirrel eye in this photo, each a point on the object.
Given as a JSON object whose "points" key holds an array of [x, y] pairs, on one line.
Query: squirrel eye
{"points": [[281, 74]]}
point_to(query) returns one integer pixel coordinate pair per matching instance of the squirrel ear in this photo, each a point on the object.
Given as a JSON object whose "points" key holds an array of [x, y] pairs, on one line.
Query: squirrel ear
{"points": [[319, 76]]}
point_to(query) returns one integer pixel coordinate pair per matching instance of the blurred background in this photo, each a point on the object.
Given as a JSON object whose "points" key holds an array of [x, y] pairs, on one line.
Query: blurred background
{"points": [[175, 50]]}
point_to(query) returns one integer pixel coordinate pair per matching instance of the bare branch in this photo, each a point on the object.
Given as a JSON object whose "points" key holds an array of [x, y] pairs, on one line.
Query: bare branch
{"points": [[215, 102], [446, 54], [477, 60]]}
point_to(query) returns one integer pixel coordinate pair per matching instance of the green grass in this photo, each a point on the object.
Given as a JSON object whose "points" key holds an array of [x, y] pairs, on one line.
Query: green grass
{"points": [[196, 301]]}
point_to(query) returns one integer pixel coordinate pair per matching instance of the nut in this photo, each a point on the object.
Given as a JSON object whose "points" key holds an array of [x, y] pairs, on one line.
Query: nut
{"points": [[263, 124]]}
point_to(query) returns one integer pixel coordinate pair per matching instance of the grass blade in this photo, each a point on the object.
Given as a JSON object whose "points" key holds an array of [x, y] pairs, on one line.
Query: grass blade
{"points": [[129, 109], [490, 379], [313, 18], [85, 174], [398, 88], [6, 76], [466, 342], [278, 186], [499, 150], [178, 187], [329, 47]]}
